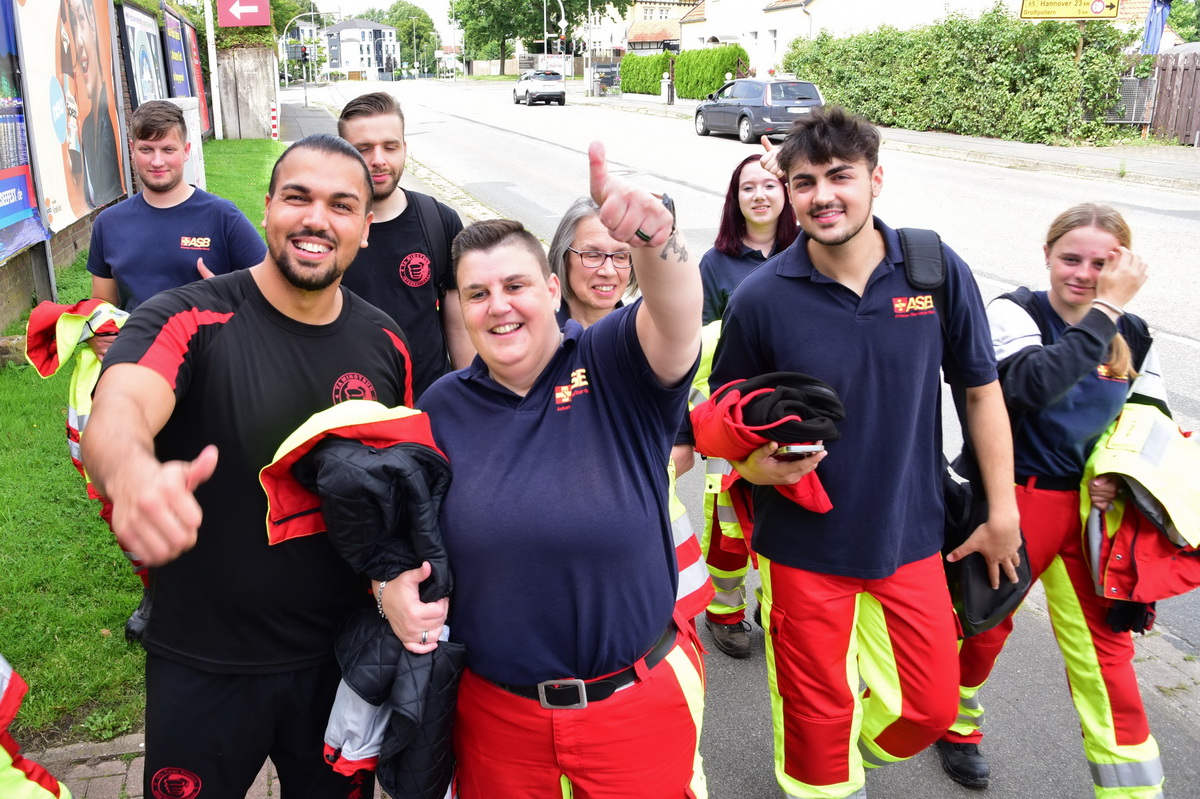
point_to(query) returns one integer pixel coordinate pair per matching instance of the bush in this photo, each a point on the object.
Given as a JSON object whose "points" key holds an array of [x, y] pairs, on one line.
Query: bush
{"points": [[642, 74], [993, 76], [701, 72]]}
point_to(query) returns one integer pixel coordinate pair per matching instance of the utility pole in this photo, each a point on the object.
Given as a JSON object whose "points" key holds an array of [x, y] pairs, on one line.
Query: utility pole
{"points": [[414, 22]]}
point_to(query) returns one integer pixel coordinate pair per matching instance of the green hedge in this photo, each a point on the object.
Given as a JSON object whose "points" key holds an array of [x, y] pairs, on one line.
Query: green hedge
{"points": [[642, 74], [700, 72], [994, 76]]}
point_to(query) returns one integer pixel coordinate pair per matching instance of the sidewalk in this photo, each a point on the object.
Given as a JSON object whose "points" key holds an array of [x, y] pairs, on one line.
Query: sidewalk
{"points": [[1150, 164], [114, 769]]}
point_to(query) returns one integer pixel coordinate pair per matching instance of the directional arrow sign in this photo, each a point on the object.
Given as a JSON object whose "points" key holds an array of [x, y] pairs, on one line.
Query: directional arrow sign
{"points": [[1069, 9], [239, 13]]}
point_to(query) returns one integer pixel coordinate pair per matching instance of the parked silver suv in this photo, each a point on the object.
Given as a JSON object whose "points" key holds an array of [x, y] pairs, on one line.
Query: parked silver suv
{"points": [[536, 85]]}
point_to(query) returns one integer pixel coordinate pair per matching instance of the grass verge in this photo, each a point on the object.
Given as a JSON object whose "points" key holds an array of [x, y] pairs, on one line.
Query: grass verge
{"points": [[65, 588]]}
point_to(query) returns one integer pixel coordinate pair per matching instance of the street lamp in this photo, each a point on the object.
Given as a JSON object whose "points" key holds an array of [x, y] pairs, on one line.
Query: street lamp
{"points": [[414, 22]]}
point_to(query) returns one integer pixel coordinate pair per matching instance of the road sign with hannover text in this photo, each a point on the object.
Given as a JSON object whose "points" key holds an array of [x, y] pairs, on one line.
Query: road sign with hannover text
{"points": [[1069, 9], [239, 13]]}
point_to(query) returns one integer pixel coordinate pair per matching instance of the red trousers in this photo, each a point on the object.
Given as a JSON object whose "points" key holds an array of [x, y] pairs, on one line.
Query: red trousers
{"points": [[824, 632], [640, 743], [1099, 662]]}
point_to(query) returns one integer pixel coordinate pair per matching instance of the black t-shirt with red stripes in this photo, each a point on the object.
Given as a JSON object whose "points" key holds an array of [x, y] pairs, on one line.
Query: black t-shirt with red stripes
{"points": [[245, 376]]}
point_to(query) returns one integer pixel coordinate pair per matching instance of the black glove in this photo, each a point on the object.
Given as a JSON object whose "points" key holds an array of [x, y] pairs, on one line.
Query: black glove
{"points": [[1136, 617]]}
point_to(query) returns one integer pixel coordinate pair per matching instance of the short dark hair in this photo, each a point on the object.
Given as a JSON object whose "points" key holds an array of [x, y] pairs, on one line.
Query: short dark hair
{"points": [[327, 143], [369, 105], [492, 233], [825, 135], [154, 119]]}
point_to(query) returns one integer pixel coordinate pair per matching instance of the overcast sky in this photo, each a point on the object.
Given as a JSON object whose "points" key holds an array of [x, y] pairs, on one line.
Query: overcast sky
{"points": [[436, 9]]}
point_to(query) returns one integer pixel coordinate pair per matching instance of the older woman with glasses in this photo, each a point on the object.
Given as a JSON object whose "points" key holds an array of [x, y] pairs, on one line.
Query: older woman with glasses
{"points": [[594, 269], [596, 274]]}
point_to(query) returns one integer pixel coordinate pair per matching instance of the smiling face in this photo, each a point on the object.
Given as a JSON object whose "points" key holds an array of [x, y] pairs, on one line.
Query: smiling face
{"points": [[380, 141], [1075, 260], [316, 218], [159, 162], [761, 195], [595, 290], [833, 201], [508, 308], [83, 30]]}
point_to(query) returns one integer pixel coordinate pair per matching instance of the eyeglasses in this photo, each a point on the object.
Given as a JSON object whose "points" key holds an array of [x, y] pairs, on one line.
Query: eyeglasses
{"points": [[594, 259]]}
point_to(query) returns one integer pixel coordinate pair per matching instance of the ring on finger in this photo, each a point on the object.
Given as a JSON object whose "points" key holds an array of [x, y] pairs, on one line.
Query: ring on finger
{"points": [[424, 637], [641, 234]]}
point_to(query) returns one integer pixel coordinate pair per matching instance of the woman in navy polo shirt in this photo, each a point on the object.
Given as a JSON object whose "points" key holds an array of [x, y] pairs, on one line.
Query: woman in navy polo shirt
{"points": [[757, 222], [1069, 359]]}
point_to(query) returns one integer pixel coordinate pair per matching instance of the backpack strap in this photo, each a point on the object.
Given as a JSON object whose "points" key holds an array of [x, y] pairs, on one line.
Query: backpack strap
{"points": [[434, 230]]}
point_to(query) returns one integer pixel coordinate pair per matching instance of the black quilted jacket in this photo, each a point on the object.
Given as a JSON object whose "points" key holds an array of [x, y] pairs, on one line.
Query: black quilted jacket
{"points": [[380, 506]]}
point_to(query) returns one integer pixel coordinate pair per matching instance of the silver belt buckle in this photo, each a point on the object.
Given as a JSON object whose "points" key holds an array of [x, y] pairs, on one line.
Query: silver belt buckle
{"points": [[579, 686]]}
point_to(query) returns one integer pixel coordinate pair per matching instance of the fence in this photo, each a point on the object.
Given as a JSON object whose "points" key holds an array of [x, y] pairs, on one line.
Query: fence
{"points": [[1177, 107]]}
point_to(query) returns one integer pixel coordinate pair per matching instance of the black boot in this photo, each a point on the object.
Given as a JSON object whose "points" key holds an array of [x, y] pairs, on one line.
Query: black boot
{"points": [[964, 763], [135, 628], [732, 639]]}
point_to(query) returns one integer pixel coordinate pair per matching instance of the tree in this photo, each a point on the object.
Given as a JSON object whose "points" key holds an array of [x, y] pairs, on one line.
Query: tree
{"points": [[1185, 19], [500, 22]]}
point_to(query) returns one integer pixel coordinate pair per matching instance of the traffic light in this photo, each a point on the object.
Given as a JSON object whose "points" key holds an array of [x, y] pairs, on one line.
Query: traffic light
{"points": [[304, 54]]}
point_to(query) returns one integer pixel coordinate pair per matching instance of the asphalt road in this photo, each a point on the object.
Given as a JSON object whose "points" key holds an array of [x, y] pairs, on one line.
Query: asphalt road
{"points": [[473, 147]]}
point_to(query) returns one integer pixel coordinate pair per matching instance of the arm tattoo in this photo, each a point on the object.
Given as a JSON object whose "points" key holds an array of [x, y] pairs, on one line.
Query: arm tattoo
{"points": [[673, 246]]}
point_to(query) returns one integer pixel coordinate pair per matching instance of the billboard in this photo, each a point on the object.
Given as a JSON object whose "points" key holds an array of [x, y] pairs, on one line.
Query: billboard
{"points": [[144, 67], [71, 105], [20, 223], [177, 58], [197, 76]]}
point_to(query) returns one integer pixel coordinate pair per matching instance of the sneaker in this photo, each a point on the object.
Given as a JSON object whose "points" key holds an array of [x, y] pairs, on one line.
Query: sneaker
{"points": [[135, 628], [964, 763], [732, 639]]}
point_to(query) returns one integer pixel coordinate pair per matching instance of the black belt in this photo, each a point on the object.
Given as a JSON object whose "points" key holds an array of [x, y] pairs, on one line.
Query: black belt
{"points": [[571, 694], [1048, 483]]}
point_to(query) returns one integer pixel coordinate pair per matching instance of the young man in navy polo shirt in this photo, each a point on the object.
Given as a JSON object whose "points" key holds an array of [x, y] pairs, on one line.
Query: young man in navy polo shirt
{"points": [[859, 592], [557, 525]]}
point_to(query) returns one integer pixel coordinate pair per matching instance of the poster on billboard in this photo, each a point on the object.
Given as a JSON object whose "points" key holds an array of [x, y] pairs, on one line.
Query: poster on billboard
{"points": [[71, 105], [20, 223], [197, 75], [144, 67], [177, 61]]}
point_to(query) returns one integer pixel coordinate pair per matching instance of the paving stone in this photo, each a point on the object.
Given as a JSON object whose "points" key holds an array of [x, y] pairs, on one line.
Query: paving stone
{"points": [[105, 787], [133, 780]]}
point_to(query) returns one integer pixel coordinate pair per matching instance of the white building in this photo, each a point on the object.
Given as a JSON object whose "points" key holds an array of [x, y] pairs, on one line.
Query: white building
{"points": [[363, 49]]}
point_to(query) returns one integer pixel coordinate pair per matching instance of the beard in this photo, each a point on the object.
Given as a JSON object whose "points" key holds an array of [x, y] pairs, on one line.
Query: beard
{"points": [[835, 238], [307, 279], [161, 186], [384, 190]]}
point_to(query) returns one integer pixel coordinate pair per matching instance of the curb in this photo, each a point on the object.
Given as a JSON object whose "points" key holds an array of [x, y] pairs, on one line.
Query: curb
{"points": [[55, 759], [1037, 165], [939, 151]]}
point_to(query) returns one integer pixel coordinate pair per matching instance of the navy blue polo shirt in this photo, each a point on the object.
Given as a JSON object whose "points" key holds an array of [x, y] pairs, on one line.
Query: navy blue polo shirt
{"points": [[882, 352], [722, 273], [556, 521]]}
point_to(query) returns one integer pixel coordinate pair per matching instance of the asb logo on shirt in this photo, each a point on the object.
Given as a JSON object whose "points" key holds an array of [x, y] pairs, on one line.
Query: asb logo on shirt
{"points": [[912, 306], [415, 269], [353, 386], [578, 385], [195, 242]]}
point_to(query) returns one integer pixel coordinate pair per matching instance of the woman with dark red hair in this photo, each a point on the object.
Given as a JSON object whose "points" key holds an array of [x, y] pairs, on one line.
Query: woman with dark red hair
{"points": [[756, 223]]}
